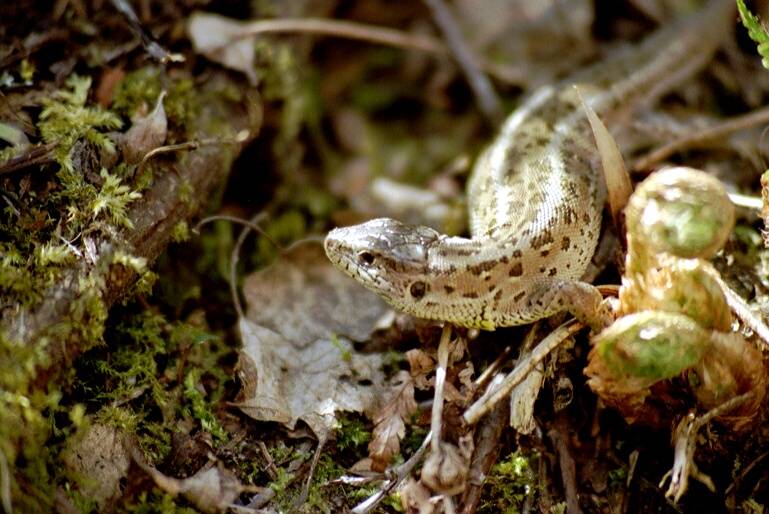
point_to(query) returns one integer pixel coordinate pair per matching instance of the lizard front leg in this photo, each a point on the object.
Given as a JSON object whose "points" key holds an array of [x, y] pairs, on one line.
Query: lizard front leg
{"points": [[580, 299]]}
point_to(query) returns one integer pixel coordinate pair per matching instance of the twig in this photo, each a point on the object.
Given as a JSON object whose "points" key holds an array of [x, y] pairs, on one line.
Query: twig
{"points": [[482, 88], [489, 372], [371, 34], [153, 48], [705, 135], [270, 468], [436, 420], [744, 472], [558, 437], [685, 443], [748, 202], [398, 474], [494, 395], [252, 224], [297, 505], [486, 452], [193, 145], [42, 154], [743, 311]]}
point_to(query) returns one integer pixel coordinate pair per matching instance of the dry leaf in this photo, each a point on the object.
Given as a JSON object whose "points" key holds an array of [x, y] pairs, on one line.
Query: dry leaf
{"points": [[522, 400], [298, 361], [390, 426], [421, 364], [146, 133], [618, 185], [216, 37], [99, 461], [445, 471], [304, 298], [285, 382], [415, 498], [210, 490]]}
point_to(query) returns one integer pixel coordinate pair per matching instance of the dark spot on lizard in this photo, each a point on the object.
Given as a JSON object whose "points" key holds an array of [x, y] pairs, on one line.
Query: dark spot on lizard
{"points": [[517, 254], [498, 295], [471, 294], [569, 216], [481, 267], [448, 289], [565, 243], [552, 272], [519, 296], [541, 239], [544, 253], [516, 270]]}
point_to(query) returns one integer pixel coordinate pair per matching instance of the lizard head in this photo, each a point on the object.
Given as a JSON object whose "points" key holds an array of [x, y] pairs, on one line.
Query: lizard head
{"points": [[386, 256]]}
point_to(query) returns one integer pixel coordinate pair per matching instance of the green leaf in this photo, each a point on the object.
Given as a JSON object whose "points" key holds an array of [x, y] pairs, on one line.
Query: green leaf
{"points": [[756, 31]]}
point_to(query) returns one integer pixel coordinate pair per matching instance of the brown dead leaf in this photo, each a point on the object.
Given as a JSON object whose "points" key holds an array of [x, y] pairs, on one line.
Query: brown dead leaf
{"points": [[298, 361], [615, 174], [285, 382], [390, 426], [147, 133], [421, 364], [304, 298], [215, 37], [211, 490], [416, 498], [98, 460]]}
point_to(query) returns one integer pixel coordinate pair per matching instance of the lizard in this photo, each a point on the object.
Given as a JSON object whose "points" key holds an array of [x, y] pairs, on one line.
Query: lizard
{"points": [[535, 198]]}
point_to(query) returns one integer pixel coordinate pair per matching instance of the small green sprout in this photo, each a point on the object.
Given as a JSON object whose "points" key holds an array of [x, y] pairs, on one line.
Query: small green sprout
{"points": [[756, 31]]}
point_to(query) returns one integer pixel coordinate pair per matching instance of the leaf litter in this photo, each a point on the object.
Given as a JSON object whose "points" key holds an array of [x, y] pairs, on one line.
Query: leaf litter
{"points": [[298, 360]]}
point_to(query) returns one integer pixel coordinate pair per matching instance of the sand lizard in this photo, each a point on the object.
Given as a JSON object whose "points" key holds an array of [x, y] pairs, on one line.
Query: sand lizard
{"points": [[535, 198]]}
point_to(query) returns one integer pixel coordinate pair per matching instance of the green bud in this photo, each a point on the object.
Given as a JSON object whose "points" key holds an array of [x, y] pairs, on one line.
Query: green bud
{"points": [[681, 211], [651, 345]]}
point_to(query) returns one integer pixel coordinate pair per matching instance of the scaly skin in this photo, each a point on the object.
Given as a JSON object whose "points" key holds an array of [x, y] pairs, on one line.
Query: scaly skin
{"points": [[535, 199]]}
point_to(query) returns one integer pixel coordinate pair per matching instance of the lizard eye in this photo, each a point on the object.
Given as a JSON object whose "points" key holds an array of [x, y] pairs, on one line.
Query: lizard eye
{"points": [[418, 289], [366, 258]]}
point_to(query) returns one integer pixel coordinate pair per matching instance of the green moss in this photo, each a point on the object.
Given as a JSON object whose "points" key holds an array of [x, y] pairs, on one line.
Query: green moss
{"points": [[321, 490], [24, 424], [142, 87], [350, 433], [180, 232], [509, 483], [66, 119], [112, 201], [26, 71], [139, 87], [156, 502], [138, 370], [284, 229], [199, 409]]}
